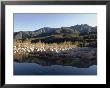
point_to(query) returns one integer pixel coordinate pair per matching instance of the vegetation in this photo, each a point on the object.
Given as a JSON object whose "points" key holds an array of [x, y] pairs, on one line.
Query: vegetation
{"points": [[89, 40], [23, 47]]}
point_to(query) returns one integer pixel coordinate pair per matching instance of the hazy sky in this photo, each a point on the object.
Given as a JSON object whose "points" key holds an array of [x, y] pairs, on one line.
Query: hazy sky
{"points": [[34, 21]]}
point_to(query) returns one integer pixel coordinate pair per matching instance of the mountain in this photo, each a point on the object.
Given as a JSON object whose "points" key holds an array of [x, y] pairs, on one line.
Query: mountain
{"points": [[46, 30], [24, 34], [53, 34], [84, 28]]}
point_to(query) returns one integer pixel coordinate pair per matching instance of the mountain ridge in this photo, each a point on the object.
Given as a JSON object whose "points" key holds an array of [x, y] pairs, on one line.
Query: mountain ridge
{"points": [[45, 31]]}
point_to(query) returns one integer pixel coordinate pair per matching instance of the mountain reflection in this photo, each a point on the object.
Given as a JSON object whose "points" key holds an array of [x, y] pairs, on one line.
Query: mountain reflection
{"points": [[83, 59]]}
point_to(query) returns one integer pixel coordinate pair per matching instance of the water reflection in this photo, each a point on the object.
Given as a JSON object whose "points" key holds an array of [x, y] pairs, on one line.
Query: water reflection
{"points": [[50, 60], [80, 61], [36, 69]]}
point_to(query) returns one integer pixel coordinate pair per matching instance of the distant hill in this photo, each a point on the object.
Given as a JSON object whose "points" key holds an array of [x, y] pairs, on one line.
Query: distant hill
{"points": [[47, 31]]}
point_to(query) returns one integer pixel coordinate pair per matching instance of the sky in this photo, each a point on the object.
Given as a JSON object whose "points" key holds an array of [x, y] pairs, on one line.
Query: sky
{"points": [[35, 21]]}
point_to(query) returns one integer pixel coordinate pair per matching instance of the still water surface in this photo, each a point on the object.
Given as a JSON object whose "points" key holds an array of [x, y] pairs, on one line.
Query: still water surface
{"points": [[37, 69]]}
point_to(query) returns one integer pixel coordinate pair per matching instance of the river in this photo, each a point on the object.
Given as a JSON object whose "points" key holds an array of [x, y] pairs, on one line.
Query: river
{"points": [[37, 69]]}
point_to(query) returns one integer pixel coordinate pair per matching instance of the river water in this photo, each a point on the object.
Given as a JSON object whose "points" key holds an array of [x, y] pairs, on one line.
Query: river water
{"points": [[79, 61], [38, 69]]}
